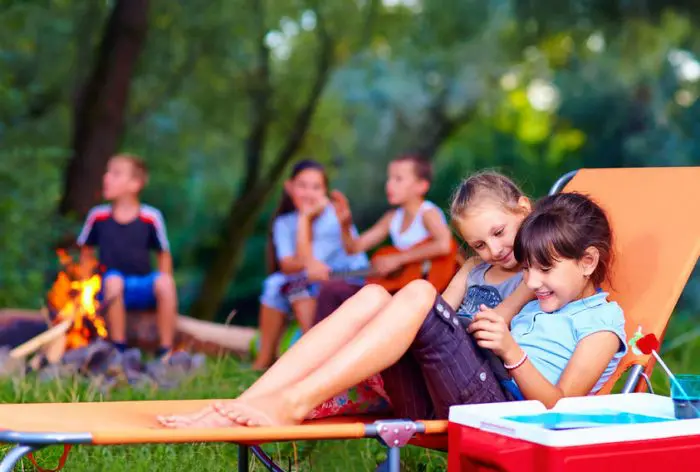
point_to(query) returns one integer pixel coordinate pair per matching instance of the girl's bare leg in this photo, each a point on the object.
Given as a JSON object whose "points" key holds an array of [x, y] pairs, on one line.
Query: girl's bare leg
{"points": [[381, 343], [322, 341], [271, 328], [305, 310], [308, 353], [271, 322]]}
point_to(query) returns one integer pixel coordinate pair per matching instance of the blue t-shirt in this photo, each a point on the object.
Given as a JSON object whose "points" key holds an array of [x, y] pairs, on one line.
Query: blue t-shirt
{"points": [[549, 339], [327, 240]]}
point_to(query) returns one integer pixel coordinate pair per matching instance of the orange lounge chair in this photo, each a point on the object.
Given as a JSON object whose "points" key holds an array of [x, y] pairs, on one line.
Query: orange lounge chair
{"points": [[657, 246]]}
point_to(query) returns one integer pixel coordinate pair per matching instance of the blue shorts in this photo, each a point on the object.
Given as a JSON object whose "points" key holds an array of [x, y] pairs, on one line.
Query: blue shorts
{"points": [[139, 290], [273, 297]]}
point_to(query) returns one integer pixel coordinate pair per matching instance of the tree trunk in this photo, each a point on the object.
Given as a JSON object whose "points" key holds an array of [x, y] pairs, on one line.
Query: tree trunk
{"points": [[99, 111], [239, 223], [246, 208]]}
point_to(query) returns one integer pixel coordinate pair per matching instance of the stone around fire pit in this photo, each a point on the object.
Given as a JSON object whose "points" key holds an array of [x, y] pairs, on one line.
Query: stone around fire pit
{"points": [[9, 366], [103, 360], [108, 368]]}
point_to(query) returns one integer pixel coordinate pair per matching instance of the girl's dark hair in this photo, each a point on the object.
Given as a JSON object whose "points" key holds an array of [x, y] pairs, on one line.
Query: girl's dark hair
{"points": [[286, 205], [563, 226]]}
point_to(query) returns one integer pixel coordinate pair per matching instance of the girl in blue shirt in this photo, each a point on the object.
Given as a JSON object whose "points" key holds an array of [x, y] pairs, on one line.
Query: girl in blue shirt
{"points": [[306, 237], [567, 342]]}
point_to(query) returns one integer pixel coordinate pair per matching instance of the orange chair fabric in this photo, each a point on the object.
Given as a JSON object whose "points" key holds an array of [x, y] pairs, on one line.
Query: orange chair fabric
{"points": [[655, 215]]}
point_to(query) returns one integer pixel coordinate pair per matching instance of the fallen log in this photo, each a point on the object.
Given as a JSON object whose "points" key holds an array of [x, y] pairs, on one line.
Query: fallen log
{"points": [[192, 334], [37, 342], [18, 326]]}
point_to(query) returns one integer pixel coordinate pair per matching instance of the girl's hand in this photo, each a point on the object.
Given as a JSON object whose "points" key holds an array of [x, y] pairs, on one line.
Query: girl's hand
{"points": [[312, 211], [342, 208], [317, 271], [491, 332]]}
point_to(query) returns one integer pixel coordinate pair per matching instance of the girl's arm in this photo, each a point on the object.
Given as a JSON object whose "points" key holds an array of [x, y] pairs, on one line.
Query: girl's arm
{"points": [[304, 251], [454, 293], [591, 356], [292, 264], [304, 248], [285, 247], [368, 239], [588, 362]]}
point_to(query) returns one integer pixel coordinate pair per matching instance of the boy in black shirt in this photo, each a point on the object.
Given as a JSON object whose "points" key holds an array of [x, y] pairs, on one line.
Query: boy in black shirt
{"points": [[124, 233]]}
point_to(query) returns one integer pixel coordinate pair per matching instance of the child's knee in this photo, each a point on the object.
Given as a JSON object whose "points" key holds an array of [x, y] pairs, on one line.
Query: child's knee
{"points": [[164, 285], [273, 283], [114, 286], [374, 293], [421, 292]]}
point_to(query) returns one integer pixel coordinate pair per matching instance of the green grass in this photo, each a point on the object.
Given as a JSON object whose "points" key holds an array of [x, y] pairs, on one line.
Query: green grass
{"points": [[680, 351], [223, 378]]}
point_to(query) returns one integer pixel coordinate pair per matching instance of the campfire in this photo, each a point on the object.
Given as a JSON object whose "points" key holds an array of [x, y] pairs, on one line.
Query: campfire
{"points": [[74, 301], [76, 342]]}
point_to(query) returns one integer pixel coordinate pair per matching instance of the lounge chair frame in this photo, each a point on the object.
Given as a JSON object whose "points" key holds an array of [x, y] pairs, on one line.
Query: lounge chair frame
{"points": [[393, 433]]}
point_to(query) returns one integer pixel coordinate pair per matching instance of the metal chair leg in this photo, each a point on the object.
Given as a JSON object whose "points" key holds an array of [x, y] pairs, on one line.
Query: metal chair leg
{"points": [[648, 382], [243, 463], [14, 455], [633, 378], [394, 460], [266, 460], [394, 434]]}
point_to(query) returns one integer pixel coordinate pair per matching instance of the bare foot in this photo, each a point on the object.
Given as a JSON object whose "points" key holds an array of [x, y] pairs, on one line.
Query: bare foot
{"points": [[165, 420], [208, 417], [266, 410]]}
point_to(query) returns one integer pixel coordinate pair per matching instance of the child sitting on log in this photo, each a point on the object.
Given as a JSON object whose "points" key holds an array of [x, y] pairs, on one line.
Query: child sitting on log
{"points": [[125, 232]]}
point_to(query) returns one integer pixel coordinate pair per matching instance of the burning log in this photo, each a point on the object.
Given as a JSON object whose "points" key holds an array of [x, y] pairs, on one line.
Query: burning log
{"points": [[73, 296], [77, 319]]}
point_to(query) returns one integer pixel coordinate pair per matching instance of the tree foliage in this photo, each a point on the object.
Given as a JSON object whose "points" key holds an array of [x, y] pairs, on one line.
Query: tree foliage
{"points": [[222, 98]]}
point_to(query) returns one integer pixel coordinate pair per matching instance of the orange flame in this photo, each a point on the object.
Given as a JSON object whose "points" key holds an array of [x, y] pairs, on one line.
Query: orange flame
{"points": [[74, 296]]}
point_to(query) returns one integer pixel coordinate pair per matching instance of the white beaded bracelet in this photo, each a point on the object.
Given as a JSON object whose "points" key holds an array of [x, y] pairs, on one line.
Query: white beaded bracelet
{"points": [[517, 364]]}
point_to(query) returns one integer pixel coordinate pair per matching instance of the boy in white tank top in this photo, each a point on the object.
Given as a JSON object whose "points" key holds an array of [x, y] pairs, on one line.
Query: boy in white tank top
{"points": [[413, 221]]}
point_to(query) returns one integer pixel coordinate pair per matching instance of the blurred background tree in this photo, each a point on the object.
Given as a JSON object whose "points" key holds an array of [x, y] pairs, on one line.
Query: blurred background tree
{"points": [[220, 97]]}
